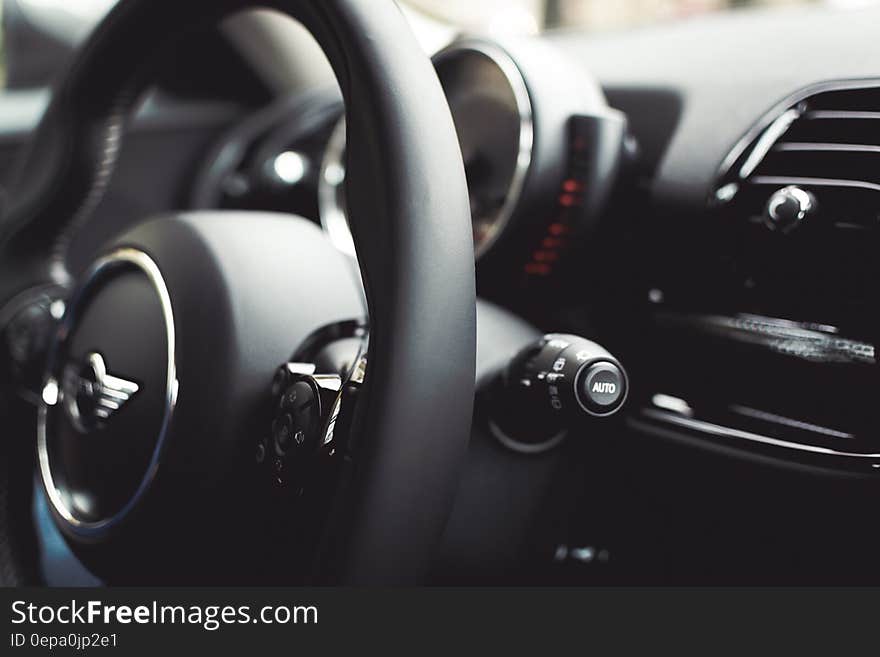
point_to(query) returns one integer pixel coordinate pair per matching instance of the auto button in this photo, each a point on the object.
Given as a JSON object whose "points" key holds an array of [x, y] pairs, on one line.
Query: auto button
{"points": [[602, 388]]}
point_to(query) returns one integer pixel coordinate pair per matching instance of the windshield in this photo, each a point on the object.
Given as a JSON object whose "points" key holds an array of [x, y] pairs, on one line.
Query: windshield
{"points": [[533, 16]]}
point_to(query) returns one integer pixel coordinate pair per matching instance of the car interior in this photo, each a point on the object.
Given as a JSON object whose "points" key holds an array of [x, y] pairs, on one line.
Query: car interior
{"points": [[567, 292]]}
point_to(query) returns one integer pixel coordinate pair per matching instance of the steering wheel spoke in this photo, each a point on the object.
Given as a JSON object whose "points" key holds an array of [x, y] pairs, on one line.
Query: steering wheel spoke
{"points": [[312, 411], [304, 460]]}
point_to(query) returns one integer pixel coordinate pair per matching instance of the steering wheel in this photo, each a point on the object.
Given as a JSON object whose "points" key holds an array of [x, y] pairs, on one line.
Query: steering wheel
{"points": [[158, 372]]}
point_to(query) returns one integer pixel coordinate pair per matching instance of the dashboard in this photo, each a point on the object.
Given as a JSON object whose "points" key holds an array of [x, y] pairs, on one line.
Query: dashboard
{"points": [[532, 145], [702, 197], [777, 321]]}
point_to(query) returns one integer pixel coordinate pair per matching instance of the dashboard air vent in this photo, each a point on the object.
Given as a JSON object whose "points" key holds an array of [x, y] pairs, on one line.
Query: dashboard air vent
{"points": [[773, 291], [825, 141]]}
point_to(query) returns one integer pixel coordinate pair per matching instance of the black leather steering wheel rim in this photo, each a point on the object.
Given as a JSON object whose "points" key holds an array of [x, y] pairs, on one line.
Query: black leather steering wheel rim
{"points": [[410, 221]]}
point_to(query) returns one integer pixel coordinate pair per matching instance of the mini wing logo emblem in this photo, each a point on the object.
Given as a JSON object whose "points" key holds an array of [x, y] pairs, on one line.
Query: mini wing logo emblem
{"points": [[91, 395]]}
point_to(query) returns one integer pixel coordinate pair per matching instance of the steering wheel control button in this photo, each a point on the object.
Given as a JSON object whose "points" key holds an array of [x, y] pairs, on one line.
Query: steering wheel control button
{"points": [[303, 404], [283, 433], [787, 208], [602, 387]]}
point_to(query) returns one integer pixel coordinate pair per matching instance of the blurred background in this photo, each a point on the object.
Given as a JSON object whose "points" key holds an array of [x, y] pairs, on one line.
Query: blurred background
{"points": [[39, 34], [530, 16]]}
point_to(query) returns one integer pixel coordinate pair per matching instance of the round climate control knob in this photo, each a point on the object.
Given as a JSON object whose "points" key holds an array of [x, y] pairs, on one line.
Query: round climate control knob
{"points": [[788, 207]]}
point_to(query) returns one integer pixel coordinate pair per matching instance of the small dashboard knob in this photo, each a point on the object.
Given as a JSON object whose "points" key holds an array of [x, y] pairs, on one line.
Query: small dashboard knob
{"points": [[788, 207]]}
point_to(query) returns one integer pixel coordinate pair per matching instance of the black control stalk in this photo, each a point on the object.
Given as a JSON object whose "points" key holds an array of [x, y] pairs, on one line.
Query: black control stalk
{"points": [[550, 386]]}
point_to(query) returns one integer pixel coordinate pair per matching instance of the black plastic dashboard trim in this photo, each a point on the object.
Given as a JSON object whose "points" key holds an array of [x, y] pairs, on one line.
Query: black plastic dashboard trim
{"points": [[747, 442]]}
